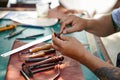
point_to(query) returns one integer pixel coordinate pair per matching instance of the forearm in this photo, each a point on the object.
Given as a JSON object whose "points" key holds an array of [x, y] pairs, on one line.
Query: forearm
{"points": [[101, 27], [103, 70]]}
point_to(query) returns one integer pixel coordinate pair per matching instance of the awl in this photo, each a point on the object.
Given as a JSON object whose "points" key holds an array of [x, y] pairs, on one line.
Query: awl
{"points": [[27, 45]]}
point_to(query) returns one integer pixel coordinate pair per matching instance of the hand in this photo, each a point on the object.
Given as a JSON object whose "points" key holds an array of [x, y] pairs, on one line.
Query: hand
{"points": [[69, 46], [60, 12], [56, 13], [76, 23]]}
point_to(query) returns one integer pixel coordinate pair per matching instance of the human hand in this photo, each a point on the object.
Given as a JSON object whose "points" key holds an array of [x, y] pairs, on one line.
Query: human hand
{"points": [[68, 46], [76, 23], [60, 12], [56, 13]]}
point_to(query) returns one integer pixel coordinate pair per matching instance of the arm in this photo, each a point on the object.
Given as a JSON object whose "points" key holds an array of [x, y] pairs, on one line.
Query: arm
{"points": [[103, 70], [100, 27]]}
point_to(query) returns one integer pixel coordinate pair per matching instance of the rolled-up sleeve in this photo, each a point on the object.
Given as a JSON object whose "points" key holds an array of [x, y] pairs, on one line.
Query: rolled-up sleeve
{"points": [[116, 17]]}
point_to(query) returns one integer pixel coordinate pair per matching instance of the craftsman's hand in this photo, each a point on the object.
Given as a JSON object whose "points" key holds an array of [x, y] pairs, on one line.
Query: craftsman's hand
{"points": [[60, 12], [76, 23], [55, 13], [68, 46]]}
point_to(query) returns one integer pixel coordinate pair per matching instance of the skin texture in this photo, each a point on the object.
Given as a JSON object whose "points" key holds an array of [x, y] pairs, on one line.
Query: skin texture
{"points": [[100, 27], [59, 12]]}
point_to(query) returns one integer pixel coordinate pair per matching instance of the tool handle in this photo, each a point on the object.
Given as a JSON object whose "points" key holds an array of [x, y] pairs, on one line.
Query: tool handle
{"points": [[49, 60], [44, 47], [7, 27], [43, 69], [45, 65], [36, 55], [35, 59], [42, 53]]}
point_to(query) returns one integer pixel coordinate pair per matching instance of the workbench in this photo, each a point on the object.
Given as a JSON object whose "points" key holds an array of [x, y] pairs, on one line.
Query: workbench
{"points": [[6, 45]]}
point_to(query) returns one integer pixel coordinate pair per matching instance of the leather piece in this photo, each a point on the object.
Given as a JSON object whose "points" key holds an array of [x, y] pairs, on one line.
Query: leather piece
{"points": [[70, 69]]}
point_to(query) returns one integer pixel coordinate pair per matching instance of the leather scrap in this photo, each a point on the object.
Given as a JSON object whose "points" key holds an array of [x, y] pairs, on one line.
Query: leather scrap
{"points": [[69, 70]]}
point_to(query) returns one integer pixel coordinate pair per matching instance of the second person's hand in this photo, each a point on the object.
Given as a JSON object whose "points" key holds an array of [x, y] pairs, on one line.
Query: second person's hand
{"points": [[76, 23]]}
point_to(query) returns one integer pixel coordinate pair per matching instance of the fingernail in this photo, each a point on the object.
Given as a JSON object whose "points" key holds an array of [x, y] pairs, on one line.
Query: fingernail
{"points": [[64, 32]]}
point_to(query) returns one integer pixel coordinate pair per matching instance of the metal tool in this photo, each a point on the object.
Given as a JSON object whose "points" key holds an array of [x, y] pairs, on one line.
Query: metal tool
{"points": [[54, 59], [29, 73], [27, 45], [30, 26], [30, 38], [58, 72], [56, 34], [15, 33], [24, 74], [7, 27], [35, 35]]}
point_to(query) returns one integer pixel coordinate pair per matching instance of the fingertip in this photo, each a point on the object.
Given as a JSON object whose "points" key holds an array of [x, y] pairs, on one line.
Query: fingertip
{"points": [[64, 31], [64, 38], [53, 37]]}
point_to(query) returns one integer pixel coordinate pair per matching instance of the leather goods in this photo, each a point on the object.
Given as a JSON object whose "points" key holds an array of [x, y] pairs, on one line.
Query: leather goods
{"points": [[69, 70]]}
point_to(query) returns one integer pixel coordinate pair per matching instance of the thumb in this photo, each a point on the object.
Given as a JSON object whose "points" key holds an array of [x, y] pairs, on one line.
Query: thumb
{"points": [[71, 29], [64, 38]]}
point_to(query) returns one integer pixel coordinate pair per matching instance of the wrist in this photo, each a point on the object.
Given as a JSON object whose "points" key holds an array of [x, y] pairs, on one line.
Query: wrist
{"points": [[82, 55], [87, 24]]}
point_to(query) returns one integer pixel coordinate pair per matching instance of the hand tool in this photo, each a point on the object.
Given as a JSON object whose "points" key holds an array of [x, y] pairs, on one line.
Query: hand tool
{"points": [[35, 35], [7, 27], [24, 74], [54, 59], [36, 49], [29, 73], [58, 73], [15, 33], [42, 53], [42, 65], [30, 26], [30, 38], [56, 34], [36, 59], [11, 31], [27, 45]]}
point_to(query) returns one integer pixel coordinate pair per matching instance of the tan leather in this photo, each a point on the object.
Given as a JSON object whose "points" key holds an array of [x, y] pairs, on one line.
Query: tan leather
{"points": [[70, 69]]}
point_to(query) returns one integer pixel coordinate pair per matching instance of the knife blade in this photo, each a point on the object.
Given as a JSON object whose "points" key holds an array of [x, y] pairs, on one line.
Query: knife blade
{"points": [[27, 45]]}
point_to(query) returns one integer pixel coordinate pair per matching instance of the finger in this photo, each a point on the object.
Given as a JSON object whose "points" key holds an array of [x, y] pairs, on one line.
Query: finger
{"points": [[64, 38], [69, 30], [55, 47], [65, 23], [56, 41]]}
